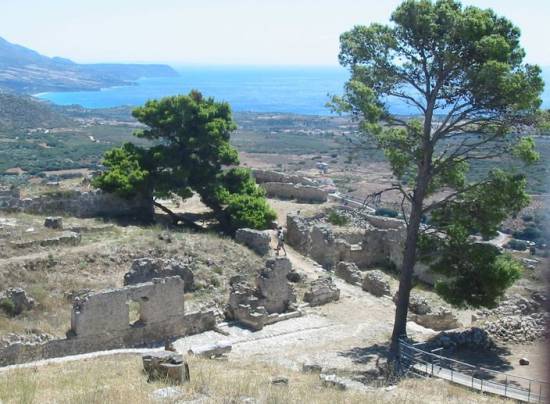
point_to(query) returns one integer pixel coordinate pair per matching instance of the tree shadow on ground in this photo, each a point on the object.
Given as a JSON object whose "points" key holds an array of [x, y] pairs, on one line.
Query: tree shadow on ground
{"points": [[366, 355]]}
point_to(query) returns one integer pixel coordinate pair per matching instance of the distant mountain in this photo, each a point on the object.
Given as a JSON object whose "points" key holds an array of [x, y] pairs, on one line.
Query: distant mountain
{"points": [[26, 71], [24, 112]]}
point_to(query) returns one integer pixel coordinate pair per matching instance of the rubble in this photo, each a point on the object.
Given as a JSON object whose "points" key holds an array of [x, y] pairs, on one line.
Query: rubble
{"points": [[439, 319], [268, 301], [349, 272], [54, 222], [472, 338], [376, 283], [146, 269], [322, 291], [166, 365]]}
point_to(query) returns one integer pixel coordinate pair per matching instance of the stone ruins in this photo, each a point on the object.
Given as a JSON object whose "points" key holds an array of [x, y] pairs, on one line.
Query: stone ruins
{"points": [[280, 185], [257, 240], [146, 269], [136, 315], [76, 203], [378, 243], [264, 304]]}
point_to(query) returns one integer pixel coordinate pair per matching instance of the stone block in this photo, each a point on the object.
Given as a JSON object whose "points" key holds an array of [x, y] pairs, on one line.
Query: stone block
{"points": [[376, 283], [322, 291], [257, 240], [146, 269]]}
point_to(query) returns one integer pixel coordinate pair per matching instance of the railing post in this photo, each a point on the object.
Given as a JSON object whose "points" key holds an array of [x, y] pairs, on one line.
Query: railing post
{"points": [[540, 392], [506, 387], [529, 394], [481, 385]]}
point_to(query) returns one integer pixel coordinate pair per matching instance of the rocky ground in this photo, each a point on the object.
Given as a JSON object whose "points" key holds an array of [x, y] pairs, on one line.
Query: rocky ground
{"points": [[344, 338]]}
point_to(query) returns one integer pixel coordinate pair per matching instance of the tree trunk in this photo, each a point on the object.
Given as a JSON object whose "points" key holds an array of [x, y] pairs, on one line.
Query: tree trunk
{"points": [[409, 260], [175, 217]]}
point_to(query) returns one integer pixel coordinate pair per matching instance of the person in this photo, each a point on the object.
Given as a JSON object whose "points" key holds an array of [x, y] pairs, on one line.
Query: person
{"points": [[280, 240]]}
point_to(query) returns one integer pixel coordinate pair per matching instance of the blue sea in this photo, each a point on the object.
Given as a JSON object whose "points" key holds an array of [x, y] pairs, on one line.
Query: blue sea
{"points": [[298, 90]]}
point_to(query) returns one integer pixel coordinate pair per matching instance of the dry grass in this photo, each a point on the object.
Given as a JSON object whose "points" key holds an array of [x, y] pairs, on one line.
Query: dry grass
{"points": [[102, 259], [119, 379]]}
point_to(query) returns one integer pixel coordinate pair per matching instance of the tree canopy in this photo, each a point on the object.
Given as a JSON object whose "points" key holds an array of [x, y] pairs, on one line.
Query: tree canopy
{"points": [[460, 69], [190, 153]]}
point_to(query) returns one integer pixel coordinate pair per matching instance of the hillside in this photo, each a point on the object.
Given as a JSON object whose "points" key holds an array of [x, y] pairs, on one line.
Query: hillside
{"points": [[26, 71], [22, 112]]}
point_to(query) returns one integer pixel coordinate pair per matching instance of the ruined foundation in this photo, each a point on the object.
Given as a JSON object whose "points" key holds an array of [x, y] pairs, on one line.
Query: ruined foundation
{"points": [[138, 315]]}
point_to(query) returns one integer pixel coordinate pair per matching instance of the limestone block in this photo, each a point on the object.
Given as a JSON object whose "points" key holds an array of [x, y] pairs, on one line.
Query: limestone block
{"points": [[146, 269], [349, 272], [322, 291], [376, 282], [257, 240]]}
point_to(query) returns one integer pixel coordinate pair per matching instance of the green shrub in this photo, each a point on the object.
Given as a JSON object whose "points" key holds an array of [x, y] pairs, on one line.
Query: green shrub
{"points": [[337, 219], [8, 306], [517, 245], [249, 211], [387, 212], [530, 233]]}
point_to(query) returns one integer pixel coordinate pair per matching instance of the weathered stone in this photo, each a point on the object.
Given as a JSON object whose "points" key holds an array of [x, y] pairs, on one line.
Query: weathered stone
{"points": [[280, 380], [322, 291], [303, 193], [146, 269], [273, 294], [211, 351], [262, 176], [311, 368], [102, 321], [15, 300], [54, 223], [376, 282], [417, 303], [294, 277], [166, 365], [65, 238], [349, 272], [167, 394], [274, 291], [524, 362], [333, 381], [438, 320], [257, 240]]}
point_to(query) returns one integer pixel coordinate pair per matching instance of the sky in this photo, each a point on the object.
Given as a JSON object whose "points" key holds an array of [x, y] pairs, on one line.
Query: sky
{"points": [[211, 32]]}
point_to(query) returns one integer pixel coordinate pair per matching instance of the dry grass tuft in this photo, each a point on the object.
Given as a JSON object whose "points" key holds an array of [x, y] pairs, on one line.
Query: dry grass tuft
{"points": [[119, 379]]}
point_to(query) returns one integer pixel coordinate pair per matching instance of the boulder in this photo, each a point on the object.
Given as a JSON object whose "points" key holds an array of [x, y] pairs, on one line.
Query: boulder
{"points": [[438, 320], [417, 304], [165, 365], [349, 272], [54, 223], [257, 240], [524, 362], [377, 283], [322, 291], [15, 300], [211, 351], [273, 289], [146, 269]]}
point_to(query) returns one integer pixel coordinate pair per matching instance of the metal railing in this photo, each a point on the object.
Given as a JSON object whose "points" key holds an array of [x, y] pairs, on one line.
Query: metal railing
{"points": [[414, 359]]}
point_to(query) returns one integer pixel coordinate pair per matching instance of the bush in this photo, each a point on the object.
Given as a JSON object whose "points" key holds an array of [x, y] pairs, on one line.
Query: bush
{"points": [[337, 219], [387, 212], [529, 233], [8, 306], [517, 245], [249, 211]]}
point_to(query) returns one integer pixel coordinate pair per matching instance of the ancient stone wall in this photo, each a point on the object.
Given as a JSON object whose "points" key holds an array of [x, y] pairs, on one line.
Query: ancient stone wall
{"points": [[102, 321], [79, 204], [302, 193], [373, 246], [262, 176]]}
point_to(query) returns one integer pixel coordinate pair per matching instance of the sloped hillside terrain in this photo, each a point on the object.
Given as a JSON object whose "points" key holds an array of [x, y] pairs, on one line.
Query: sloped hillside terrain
{"points": [[22, 112], [26, 71]]}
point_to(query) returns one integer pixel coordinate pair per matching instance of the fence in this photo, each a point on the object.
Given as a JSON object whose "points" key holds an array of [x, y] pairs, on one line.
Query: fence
{"points": [[426, 363]]}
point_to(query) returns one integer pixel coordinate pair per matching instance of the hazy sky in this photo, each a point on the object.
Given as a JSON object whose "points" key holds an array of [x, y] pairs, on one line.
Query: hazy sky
{"points": [[282, 32]]}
